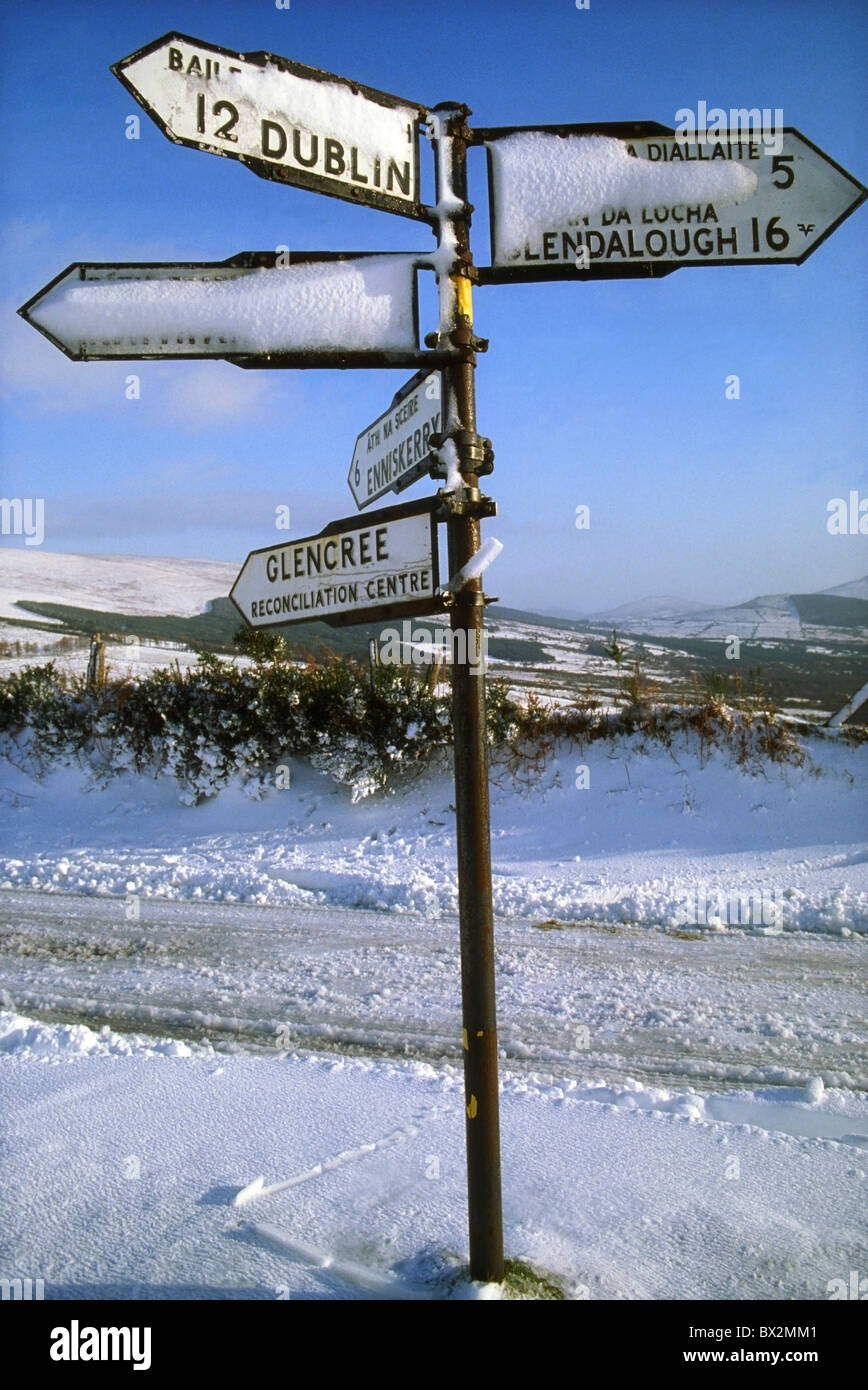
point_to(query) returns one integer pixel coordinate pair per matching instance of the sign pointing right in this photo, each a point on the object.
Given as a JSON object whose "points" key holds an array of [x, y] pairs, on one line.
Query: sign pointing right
{"points": [[578, 201]]}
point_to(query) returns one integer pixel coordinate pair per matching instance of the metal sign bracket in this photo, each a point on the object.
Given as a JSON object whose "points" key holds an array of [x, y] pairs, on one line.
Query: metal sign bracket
{"points": [[472, 599], [466, 501], [475, 453]]}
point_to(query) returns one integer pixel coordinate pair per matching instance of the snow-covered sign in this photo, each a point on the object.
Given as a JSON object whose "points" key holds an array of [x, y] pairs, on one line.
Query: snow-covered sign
{"points": [[353, 571], [395, 450], [613, 201], [283, 120], [257, 309]]}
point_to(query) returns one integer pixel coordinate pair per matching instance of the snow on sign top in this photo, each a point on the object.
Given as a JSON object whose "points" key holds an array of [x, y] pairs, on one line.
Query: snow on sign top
{"points": [[319, 306], [283, 120], [569, 200]]}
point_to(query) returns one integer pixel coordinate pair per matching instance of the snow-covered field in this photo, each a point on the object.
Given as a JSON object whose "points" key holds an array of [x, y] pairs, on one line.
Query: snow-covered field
{"points": [[140, 584], [122, 659], [198, 998]]}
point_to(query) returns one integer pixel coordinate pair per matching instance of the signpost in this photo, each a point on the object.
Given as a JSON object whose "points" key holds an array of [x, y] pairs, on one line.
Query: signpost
{"points": [[396, 449], [353, 571], [567, 202], [597, 202], [257, 309], [470, 735], [283, 120]]}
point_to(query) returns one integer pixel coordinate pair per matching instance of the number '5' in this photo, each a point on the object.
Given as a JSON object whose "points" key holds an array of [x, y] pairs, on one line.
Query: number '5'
{"points": [[781, 165]]}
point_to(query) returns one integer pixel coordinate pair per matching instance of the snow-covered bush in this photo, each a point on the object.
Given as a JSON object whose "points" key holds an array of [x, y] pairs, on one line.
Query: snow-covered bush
{"points": [[221, 721], [208, 725]]}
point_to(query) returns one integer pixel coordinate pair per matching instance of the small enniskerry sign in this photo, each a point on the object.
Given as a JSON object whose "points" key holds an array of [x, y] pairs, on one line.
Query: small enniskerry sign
{"points": [[353, 571], [396, 450], [284, 120]]}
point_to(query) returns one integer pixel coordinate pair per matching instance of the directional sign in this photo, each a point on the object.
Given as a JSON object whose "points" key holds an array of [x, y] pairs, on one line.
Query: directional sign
{"points": [[353, 571], [589, 202], [395, 450], [283, 120], [257, 309]]}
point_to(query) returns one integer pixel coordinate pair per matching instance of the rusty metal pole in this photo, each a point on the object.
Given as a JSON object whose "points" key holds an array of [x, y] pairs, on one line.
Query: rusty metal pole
{"points": [[479, 1031]]}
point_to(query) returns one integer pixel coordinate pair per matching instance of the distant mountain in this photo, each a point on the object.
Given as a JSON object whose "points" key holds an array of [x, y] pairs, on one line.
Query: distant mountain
{"points": [[663, 606], [780, 617], [857, 589], [572, 615], [167, 588], [766, 615], [827, 610]]}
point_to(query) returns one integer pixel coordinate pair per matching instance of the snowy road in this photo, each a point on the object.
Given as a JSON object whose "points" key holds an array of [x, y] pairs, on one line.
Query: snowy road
{"points": [[603, 1002]]}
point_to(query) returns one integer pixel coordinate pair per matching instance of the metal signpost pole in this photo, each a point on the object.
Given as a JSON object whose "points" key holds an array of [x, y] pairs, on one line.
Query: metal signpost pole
{"points": [[479, 1035]]}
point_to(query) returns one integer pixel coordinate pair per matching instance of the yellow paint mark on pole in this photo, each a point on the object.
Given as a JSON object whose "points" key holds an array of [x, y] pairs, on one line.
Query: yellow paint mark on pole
{"points": [[481, 1033], [471, 1108], [464, 1041], [464, 291]]}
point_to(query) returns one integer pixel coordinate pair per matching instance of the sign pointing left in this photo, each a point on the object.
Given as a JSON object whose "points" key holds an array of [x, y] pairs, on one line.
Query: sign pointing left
{"points": [[396, 450], [356, 570], [257, 309], [284, 120]]}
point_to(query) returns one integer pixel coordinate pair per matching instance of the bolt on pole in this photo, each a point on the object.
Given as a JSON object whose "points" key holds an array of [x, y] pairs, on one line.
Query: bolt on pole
{"points": [[476, 915]]}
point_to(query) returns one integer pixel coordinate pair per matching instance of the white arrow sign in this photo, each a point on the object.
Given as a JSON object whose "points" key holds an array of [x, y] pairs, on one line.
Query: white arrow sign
{"points": [[283, 120], [258, 309], [395, 450], [354, 571], [571, 200]]}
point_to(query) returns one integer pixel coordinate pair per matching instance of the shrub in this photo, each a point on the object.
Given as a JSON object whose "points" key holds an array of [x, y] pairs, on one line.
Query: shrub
{"points": [[219, 721]]}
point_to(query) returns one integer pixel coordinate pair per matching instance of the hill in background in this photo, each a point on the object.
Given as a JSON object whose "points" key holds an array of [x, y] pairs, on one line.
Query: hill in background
{"points": [[809, 649]]}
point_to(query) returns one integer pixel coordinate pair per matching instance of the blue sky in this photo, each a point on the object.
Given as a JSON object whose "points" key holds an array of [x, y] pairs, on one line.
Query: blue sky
{"points": [[607, 394]]}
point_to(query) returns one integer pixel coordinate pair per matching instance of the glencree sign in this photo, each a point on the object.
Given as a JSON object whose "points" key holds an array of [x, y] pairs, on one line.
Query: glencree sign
{"points": [[354, 571], [567, 202]]}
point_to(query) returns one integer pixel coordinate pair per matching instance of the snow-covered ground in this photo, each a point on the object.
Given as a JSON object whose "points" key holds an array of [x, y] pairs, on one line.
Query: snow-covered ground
{"points": [[132, 1170], [647, 838], [584, 1001], [196, 999]]}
